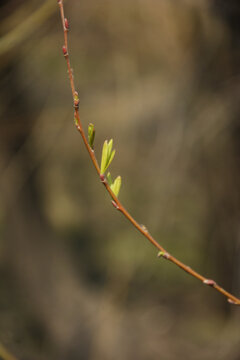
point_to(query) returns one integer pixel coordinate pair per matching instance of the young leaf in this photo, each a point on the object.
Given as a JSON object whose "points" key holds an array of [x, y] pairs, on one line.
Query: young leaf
{"points": [[109, 179], [110, 144], [104, 157], [115, 187], [107, 155], [91, 135], [110, 158]]}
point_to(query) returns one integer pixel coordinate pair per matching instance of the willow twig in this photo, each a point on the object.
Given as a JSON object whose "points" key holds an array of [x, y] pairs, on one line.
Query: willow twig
{"points": [[115, 201]]}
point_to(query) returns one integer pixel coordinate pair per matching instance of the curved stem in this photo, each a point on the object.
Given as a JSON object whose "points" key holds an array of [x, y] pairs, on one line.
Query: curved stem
{"points": [[116, 203]]}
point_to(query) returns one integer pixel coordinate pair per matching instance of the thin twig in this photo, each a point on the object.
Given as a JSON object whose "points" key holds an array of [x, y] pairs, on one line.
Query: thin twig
{"points": [[116, 203]]}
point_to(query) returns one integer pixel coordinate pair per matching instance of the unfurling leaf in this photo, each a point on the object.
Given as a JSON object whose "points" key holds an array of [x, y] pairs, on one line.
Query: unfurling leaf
{"points": [[104, 157], [107, 155], [91, 135], [115, 187], [109, 179], [111, 158], [110, 144]]}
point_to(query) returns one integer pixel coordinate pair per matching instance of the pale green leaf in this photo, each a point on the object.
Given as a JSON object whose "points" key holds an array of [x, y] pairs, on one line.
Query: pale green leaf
{"points": [[104, 159], [115, 187], [109, 179], [110, 158], [110, 145], [91, 135]]}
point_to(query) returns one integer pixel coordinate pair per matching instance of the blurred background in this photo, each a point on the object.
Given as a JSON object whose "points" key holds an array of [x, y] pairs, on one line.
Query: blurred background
{"points": [[162, 79]]}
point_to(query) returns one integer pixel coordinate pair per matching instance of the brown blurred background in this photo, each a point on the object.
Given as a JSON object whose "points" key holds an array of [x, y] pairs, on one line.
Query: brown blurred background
{"points": [[162, 79]]}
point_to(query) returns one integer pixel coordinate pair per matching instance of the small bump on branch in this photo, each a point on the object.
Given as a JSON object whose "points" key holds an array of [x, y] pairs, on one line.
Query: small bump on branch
{"points": [[66, 24], [209, 282], [114, 204], [163, 254], [64, 50]]}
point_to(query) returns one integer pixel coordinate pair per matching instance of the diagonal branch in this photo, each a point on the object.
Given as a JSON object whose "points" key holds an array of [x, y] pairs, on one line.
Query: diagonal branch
{"points": [[116, 203]]}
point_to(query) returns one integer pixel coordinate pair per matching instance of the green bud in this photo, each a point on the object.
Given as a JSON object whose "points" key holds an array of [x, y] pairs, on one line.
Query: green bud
{"points": [[104, 157], [115, 187], [76, 98], [107, 155], [91, 135]]}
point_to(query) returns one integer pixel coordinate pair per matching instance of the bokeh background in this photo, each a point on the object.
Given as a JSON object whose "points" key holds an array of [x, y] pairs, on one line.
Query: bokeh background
{"points": [[162, 79]]}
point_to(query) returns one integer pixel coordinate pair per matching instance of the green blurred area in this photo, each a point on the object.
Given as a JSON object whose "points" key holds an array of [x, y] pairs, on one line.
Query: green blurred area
{"points": [[76, 280]]}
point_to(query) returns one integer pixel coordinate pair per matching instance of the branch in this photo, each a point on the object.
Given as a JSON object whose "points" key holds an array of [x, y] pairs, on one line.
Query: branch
{"points": [[110, 188]]}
